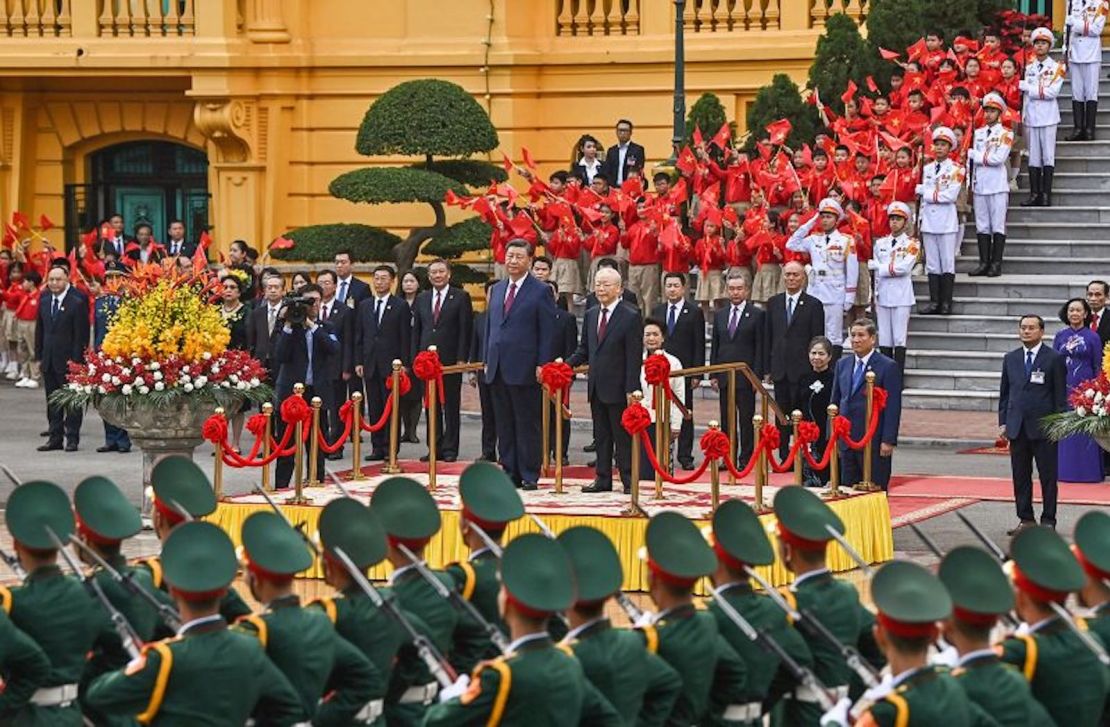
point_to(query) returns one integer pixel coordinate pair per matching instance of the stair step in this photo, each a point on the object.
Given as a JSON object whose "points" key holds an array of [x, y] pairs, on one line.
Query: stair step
{"points": [[1049, 250], [1060, 211], [1080, 181], [952, 380], [1017, 287], [1079, 162], [1061, 230], [1032, 265], [1081, 149], [996, 342], [1070, 197], [1010, 308], [950, 400], [977, 323], [966, 360]]}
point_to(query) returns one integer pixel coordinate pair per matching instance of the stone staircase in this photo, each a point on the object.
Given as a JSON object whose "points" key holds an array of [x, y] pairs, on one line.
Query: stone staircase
{"points": [[954, 362]]}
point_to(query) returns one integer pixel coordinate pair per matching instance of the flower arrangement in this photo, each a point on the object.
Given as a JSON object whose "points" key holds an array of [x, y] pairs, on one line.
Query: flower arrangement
{"points": [[1090, 408], [165, 343]]}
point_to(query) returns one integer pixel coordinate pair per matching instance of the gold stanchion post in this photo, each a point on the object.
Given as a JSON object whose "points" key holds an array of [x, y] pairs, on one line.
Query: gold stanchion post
{"points": [[796, 420], [391, 467], [356, 436], [298, 456], [314, 442], [714, 479], [545, 426], [731, 422], [557, 412], [634, 509], [433, 420], [866, 484], [267, 435], [662, 452], [833, 490], [760, 464], [218, 470]]}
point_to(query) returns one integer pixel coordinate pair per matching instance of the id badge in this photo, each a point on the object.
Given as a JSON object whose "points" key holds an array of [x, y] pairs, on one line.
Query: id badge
{"points": [[1036, 377]]}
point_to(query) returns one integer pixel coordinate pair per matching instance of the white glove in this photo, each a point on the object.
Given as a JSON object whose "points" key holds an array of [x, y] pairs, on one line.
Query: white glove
{"points": [[948, 657], [1023, 86], [838, 715], [975, 155], [809, 270], [647, 618], [848, 303], [1069, 21], [919, 189], [456, 689], [1022, 629], [872, 264]]}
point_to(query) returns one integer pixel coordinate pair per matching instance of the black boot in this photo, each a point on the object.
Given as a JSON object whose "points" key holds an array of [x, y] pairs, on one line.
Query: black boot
{"points": [[984, 255], [1092, 119], [1046, 186], [1034, 188], [947, 285], [900, 357], [1078, 112], [931, 308], [997, 248], [886, 351]]}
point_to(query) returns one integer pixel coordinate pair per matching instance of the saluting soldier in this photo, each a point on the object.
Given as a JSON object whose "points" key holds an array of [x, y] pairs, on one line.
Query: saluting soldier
{"points": [[714, 677], [835, 266], [489, 502], [1041, 115], [980, 594], [803, 538], [538, 683], [302, 643], [410, 518], [1092, 549], [941, 182], [990, 184], [620, 663], [179, 486], [892, 261], [1065, 676], [910, 601], [206, 674], [739, 539]]}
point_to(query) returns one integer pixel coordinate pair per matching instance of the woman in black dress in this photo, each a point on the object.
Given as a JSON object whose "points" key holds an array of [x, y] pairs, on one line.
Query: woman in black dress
{"points": [[816, 388], [412, 403], [235, 312]]}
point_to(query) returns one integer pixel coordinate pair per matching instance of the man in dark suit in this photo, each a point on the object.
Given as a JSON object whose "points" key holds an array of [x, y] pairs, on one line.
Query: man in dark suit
{"points": [[442, 318], [144, 250], [383, 329], [518, 342], [738, 337], [478, 379], [177, 245], [794, 318], [61, 336], [338, 368], [627, 156], [612, 343], [264, 323], [850, 395], [1097, 292], [563, 346], [1034, 385], [685, 340], [347, 285], [302, 352]]}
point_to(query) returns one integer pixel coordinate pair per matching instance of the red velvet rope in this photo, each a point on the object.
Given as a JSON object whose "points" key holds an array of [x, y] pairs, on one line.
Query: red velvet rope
{"points": [[406, 383], [557, 376], [338, 445], [428, 367], [387, 409]]}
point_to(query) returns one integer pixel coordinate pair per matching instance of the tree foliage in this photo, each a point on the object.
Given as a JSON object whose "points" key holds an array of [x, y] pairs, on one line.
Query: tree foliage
{"points": [[707, 114], [319, 243], [781, 100], [894, 25], [426, 116], [841, 55], [381, 185], [950, 17], [467, 236], [471, 172]]}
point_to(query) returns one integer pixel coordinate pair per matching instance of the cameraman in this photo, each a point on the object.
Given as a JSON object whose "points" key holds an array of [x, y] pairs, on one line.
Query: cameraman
{"points": [[301, 355]]}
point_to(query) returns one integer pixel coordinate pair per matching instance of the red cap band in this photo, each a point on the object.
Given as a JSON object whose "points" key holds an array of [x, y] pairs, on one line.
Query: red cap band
{"points": [[798, 541], [170, 514], [489, 526], [261, 572], [1038, 592], [525, 609], [91, 535], [1090, 568], [410, 543], [726, 558], [680, 581], [926, 630], [198, 595], [973, 617]]}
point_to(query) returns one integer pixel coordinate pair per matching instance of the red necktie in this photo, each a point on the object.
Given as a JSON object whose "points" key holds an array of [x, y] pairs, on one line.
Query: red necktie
{"points": [[603, 325], [510, 298], [1094, 321], [435, 310]]}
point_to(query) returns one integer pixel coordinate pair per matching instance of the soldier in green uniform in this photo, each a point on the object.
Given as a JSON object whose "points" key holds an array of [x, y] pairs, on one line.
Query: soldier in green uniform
{"points": [[302, 642], [910, 601], [713, 675], [980, 594], [738, 538], [50, 607], [410, 517], [803, 538], [178, 486], [207, 674], [23, 665], [490, 502], [1066, 677], [1092, 549], [620, 663], [538, 684]]}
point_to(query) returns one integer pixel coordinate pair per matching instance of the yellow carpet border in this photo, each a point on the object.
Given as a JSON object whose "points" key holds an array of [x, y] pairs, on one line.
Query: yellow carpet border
{"points": [[866, 518]]}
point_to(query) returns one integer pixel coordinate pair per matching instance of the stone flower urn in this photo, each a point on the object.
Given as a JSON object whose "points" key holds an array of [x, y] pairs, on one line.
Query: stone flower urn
{"points": [[1102, 440]]}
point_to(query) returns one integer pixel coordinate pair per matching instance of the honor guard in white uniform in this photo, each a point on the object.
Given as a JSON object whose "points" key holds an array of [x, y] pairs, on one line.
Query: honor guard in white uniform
{"points": [[1040, 86], [1084, 26], [941, 182], [835, 267], [986, 168], [892, 264]]}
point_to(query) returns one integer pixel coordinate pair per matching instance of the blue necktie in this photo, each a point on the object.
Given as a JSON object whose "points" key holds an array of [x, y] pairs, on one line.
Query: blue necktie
{"points": [[1028, 363], [671, 318], [789, 310], [343, 291], [54, 308], [308, 377], [857, 375]]}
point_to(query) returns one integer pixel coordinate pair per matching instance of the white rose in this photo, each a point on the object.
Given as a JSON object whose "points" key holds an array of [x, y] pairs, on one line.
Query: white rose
{"points": [[106, 378], [234, 378], [215, 369], [206, 355], [1098, 397], [144, 390], [88, 389], [125, 372], [201, 381], [255, 382], [157, 375], [184, 369], [136, 361], [101, 390], [159, 386], [225, 384], [115, 381], [139, 381], [74, 386], [1081, 411], [1089, 393], [155, 365], [119, 359], [188, 388], [92, 369], [242, 385], [185, 378], [126, 389]]}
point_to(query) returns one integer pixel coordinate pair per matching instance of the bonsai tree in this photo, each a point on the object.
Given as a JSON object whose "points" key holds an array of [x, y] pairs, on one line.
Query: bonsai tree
{"points": [[841, 56], [781, 100], [441, 124]]}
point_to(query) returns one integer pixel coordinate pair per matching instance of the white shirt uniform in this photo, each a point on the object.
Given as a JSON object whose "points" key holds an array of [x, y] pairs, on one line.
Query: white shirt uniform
{"points": [[678, 386], [940, 186], [990, 150], [835, 267], [1085, 25], [892, 262], [1041, 85]]}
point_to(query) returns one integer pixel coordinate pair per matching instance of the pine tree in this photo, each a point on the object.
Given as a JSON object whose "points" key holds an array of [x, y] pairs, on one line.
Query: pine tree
{"points": [[781, 100], [842, 55], [951, 18], [894, 25]]}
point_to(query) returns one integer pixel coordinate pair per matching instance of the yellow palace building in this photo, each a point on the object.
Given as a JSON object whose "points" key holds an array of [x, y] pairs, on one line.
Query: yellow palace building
{"points": [[238, 113]]}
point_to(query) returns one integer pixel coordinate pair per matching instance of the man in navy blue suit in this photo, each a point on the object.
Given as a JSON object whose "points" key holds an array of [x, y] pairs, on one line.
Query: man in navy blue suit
{"points": [[519, 325], [1034, 385], [850, 395], [61, 336]]}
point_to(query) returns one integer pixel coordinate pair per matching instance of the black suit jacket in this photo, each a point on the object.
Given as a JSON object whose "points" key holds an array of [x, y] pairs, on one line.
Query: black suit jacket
{"points": [[478, 339], [260, 340], [291, 357], [633, 159], [452, 333], [1104, 327], [62, 338], [188, 249], [787, 346], [566, 335], [687, 342], [357, 289], [1021, 403], [614, 360], [747, 343], [341, 320], [378, 344]]}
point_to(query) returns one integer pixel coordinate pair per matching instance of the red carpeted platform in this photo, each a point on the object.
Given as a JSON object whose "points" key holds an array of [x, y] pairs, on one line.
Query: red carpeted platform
{"points": [[995, 489]]}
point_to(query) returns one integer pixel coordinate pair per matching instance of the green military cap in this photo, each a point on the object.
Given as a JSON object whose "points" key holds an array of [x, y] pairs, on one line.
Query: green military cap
{"points": [[198, 560], [594, 560], [352, 527], [676, 551], [804, 518], [537, 575], [34, 509], [489, 498], [910, 599], [178, 482], [1043, 566], [406, 511], [979, 589], [739, 537], [104, 514], [272, 547], [1092, 543]]}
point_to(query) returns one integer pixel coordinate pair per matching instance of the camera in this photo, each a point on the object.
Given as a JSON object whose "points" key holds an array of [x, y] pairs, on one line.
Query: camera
{"points": [[296, 309]]}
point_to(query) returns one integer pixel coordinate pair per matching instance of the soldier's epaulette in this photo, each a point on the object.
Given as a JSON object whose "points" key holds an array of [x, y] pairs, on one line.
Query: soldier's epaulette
{"points": [[165, 666], [154, 565], [328, 605], [470, 578], [5, 599], [789, 596], [504, 686], [261, 630], [651, 637], [958, 671], [565, 648], [900, 705]]}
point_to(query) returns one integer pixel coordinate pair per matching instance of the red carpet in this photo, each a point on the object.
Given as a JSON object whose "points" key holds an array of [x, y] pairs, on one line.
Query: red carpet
{"points": [[905, 510], [996, 489]]}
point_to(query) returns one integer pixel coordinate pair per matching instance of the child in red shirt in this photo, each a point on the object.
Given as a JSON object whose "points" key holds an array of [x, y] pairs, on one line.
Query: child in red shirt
{"points": [[13, 295], [710, 258], [25, 318], [767, 247]]}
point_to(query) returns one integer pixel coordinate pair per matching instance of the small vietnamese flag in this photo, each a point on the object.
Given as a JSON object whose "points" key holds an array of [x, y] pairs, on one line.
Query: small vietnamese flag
{"points": [[698, 141], [888, 55], [200, 258], [20, 221], [107, 232], [850, 92], [686, 161], [778, 131], [9, 236], [506, 162], [45, 223], [282, 243], [88, 240], [205, 241], [871, 85], [528, 160], [722, 137], [916, 50]]}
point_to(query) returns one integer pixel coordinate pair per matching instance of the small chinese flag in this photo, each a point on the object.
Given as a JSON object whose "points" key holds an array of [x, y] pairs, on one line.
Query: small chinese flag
{"points": [[698, 140], [45, 223], [871, 85], [107, 232], [88, 240], [205, 240], [282, 243], [20, 221], [528, 160], [888, 55], [850, 92]]}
